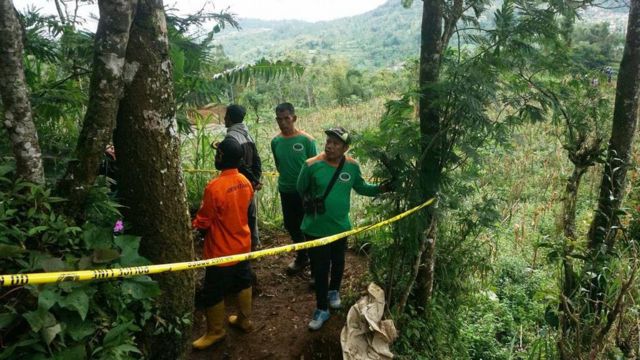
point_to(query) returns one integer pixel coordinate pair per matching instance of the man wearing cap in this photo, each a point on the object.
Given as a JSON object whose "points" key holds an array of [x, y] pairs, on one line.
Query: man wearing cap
{"points": [[327, 213], [223, 217], [291, 148], [250, 165]]}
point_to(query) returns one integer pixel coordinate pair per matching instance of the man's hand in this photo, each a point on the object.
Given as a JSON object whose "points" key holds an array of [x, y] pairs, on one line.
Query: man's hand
{"points": [[386, 186], [200, 234]]}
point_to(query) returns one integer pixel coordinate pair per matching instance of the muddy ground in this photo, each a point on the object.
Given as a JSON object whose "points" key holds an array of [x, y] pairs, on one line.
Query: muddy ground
{"points": [[282, 308]]}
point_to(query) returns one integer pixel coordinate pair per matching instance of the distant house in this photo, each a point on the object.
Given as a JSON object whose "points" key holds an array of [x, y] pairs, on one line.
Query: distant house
{"points": [[211, 114]]}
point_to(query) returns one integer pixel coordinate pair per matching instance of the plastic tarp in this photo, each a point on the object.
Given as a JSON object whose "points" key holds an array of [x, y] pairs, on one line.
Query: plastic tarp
{"points": [[366, 335]]}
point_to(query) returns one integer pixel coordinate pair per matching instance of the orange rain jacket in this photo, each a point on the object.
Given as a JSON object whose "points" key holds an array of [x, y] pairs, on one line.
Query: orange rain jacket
{"points": [[223, 214]]}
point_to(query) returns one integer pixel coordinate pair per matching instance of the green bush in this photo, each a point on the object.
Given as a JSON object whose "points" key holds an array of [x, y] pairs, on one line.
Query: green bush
{"points": [[67, 320]]}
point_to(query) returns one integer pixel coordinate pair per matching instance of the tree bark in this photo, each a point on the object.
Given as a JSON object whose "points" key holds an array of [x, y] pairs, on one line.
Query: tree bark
{"points": [[570, 201], [150, 180], [106, 90], [18, 119], [60, 13], [604, 225], [569, 228], [430, 163]]}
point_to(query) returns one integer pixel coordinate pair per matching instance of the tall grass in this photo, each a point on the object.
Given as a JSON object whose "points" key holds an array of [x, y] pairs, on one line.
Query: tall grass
{"points": [[197, 153]]}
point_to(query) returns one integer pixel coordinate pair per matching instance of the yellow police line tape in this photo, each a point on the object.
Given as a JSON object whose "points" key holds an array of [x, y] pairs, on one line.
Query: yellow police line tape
{"points": [[213, 171], [84, 275]]}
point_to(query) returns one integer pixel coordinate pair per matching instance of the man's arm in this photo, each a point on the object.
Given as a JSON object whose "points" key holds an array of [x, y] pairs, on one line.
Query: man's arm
{"points": [[256, 167], [303, 180], [364, 188], [205, 214], [273, 151], [312, 149]]}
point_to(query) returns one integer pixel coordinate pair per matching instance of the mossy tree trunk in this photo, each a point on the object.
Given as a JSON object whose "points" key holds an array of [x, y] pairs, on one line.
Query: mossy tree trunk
{"points": [[589, 331], [431, 48], [16, 107], [625, 114], [105, 92], [150, 180]]}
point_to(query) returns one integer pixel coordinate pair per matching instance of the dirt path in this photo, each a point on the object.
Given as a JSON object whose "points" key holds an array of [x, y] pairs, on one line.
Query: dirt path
{"points": [[282, 309]]}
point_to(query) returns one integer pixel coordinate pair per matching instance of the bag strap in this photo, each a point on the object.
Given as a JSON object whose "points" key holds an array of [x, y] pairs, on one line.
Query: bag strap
{"points": [[333, 179]]}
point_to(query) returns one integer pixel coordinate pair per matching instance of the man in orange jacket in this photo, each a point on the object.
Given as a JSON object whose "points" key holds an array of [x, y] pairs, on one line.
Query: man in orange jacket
{"points": [[223, 215]]}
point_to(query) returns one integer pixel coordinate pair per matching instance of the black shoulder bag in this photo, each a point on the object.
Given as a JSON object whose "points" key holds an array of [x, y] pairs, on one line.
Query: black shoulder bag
{"points": [[315, 205]]}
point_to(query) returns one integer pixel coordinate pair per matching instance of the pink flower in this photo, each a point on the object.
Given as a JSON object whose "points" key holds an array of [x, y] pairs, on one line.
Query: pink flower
{"points": [[118, 227]]}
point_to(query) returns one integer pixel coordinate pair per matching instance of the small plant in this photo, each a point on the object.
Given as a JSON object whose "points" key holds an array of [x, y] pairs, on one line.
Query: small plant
{"points": [[67, 320]]}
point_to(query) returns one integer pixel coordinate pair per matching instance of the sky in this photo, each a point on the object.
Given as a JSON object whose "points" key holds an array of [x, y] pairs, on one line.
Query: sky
{"points": [[308, 10]]}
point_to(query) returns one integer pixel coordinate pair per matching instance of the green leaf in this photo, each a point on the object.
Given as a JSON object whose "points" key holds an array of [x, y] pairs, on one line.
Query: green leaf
{"points": [[125, 242], [78, 301], [79, 329], [77, 352], [39, 319], [130, 256], [52, 264], [140, 288], [49, 333], [47, 298], [128, 348], [98, 237], [6, 319], [37, 229], [114, 334], [103, 256], [9, 251], [8, 352]]}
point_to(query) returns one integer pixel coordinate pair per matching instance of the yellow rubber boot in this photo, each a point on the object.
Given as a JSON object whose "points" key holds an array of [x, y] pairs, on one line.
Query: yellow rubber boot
{"points": [[242, 320], [215, 327]]}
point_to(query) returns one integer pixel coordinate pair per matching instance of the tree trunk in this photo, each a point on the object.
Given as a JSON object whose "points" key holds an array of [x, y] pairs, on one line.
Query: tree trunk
{"points": [[106, 90], [625, 113], [603, 230], [60, 13], [18, 119], [570, 202], [423, 246], [430, 162], [569, 227], [150, 180]]}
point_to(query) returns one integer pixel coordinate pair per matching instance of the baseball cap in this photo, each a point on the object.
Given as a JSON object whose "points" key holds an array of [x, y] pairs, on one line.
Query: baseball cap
{"points": [[340, 133]]}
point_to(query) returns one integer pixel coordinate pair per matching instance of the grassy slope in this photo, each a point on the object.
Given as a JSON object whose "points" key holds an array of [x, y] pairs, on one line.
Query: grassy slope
{"points": [[527, 176], [383, 37]]}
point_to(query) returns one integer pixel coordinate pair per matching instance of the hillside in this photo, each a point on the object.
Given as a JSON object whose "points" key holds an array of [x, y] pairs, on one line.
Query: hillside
{"points": [[383, 37]]}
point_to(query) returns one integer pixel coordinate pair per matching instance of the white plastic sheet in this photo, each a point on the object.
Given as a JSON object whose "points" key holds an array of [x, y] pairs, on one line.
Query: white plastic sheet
{"points": [[366, 335]]}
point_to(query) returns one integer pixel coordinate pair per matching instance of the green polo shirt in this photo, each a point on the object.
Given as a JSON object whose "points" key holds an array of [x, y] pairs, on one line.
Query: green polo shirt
{"points": [[290, 153], [315, 177]]}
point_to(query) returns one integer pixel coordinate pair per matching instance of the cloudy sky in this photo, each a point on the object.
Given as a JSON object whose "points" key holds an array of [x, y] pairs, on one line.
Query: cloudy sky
{"points": [[309, 10]]}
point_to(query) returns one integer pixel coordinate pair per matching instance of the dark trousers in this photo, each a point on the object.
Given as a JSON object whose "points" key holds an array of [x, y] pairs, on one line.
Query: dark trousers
{"points": [[253, 223], [324, 260], [292, 214], [220, 281]]}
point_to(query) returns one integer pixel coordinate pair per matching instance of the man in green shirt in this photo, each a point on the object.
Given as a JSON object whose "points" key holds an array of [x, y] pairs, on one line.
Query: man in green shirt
{"points": [[330, 215], [291, 147]]}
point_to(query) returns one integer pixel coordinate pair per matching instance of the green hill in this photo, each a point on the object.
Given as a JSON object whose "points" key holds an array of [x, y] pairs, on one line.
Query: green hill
{"points": [[382, 37]]}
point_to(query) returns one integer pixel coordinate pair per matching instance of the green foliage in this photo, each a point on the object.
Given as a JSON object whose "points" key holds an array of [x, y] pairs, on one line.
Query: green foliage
{"points": [[72, 320], [198, 154], [595, 47], [196, 59], [57, 64], [263, 69]]}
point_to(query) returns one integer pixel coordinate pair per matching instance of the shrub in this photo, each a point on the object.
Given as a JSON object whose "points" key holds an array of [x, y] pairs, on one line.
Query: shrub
{"points": [[67, 320]]}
